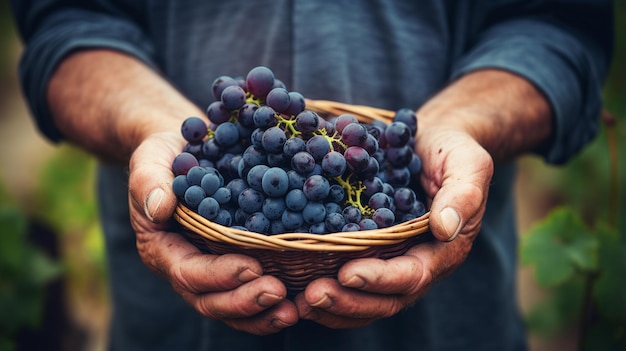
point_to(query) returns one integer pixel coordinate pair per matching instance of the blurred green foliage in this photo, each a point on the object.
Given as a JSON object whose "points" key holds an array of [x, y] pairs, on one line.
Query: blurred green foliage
{"points": [[578, 251], [24, 272]]}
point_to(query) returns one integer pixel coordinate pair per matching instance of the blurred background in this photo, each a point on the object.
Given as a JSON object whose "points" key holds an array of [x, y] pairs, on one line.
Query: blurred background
{"points": [[53, 279]]}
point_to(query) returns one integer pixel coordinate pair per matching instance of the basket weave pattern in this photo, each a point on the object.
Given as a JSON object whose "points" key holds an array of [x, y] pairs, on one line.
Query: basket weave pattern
{"points": [[298, 258]]}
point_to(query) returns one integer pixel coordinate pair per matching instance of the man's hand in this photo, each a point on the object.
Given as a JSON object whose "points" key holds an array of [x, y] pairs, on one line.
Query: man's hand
{"points": [[370, 289], [231, 288]]}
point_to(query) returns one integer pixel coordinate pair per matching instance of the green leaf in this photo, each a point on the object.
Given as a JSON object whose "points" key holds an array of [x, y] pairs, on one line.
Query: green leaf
{"points": [[558, 246], [609, 290]]}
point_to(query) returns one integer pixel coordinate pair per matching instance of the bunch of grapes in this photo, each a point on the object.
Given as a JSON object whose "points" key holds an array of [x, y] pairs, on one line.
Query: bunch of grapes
{"points": [[266, 164]]}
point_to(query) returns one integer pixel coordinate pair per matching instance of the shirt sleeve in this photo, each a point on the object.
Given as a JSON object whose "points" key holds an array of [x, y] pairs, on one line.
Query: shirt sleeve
{"points": [[51, 30], [565, 51]]}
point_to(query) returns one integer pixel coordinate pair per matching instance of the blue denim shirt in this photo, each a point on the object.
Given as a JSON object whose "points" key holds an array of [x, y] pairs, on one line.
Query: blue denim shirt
{"points": [[387, 54]]}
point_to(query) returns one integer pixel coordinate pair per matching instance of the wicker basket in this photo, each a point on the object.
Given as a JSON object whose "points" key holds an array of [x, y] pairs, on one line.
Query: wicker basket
{"points": [[299, 258]]}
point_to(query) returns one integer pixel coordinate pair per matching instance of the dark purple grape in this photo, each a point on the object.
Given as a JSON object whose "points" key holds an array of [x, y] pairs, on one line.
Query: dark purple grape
{"points": [[275, 182], [264, 117], [278, 99], [208, 208], [399, 157], [256, 138], [222, 195], [292, 220], [314, 212], [343, 120], [296, 180], [354, 134], [193, 196], [334, 222], [334, 164], [258, 223], [246, 115], [303, 162], [351, 227], [370, 144], [292, 146], [356, 158], [415, 166], [296, 200], [259, 81], [307, 121], [183, 162], [383, 217], [367, 224], [194, 129], [316, 188], [408, 117], [397, 134], [221, 83], [255, 176], [398, 177], [240, 216], [233, 97], [318, 147], [296, 104], [273, 140], [332, 207], [226, 134], [404, 199], [210, 183], [379, 200], [277, 227], [318, 228], [211, 149], [180, 185], [254, 155], [217, 112], [372, 186], [370, 171], [352, 214], [223, 218], [336, 193], [251, 200]]}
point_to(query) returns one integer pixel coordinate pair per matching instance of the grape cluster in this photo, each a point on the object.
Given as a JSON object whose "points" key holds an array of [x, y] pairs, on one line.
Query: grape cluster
{"points": [[266, 164]]}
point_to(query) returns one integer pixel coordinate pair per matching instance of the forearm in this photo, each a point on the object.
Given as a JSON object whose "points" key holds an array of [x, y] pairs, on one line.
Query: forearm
{"points": [[503, 112], [108, 102]]}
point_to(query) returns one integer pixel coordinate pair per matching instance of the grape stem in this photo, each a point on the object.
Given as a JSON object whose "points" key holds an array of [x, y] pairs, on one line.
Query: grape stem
{"points": [[332, 139], [354, 192], [287, 125]]}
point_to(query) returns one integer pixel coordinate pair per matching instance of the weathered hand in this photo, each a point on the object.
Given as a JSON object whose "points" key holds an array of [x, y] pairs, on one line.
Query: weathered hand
{"points": [[456, 176], [231, 288]]}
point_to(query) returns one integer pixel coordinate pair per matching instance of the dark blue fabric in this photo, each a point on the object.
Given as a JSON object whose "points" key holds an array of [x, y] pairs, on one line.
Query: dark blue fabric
{"points": [[388, 54]]}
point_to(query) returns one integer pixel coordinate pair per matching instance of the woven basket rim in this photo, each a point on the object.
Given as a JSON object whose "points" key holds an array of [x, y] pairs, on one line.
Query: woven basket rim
{"points": [[332, 242]]}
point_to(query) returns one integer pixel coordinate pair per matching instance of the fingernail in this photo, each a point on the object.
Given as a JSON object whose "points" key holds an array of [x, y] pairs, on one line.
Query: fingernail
{"points": [[279, 324], [355, 282], [451, 222], [267, 300], [153, 202], [247, 275], [312, 315], [325, 302]]}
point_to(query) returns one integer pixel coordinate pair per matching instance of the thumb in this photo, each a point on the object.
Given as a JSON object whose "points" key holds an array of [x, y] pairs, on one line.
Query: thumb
{"points": [[452, 209], [151, 176]]}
